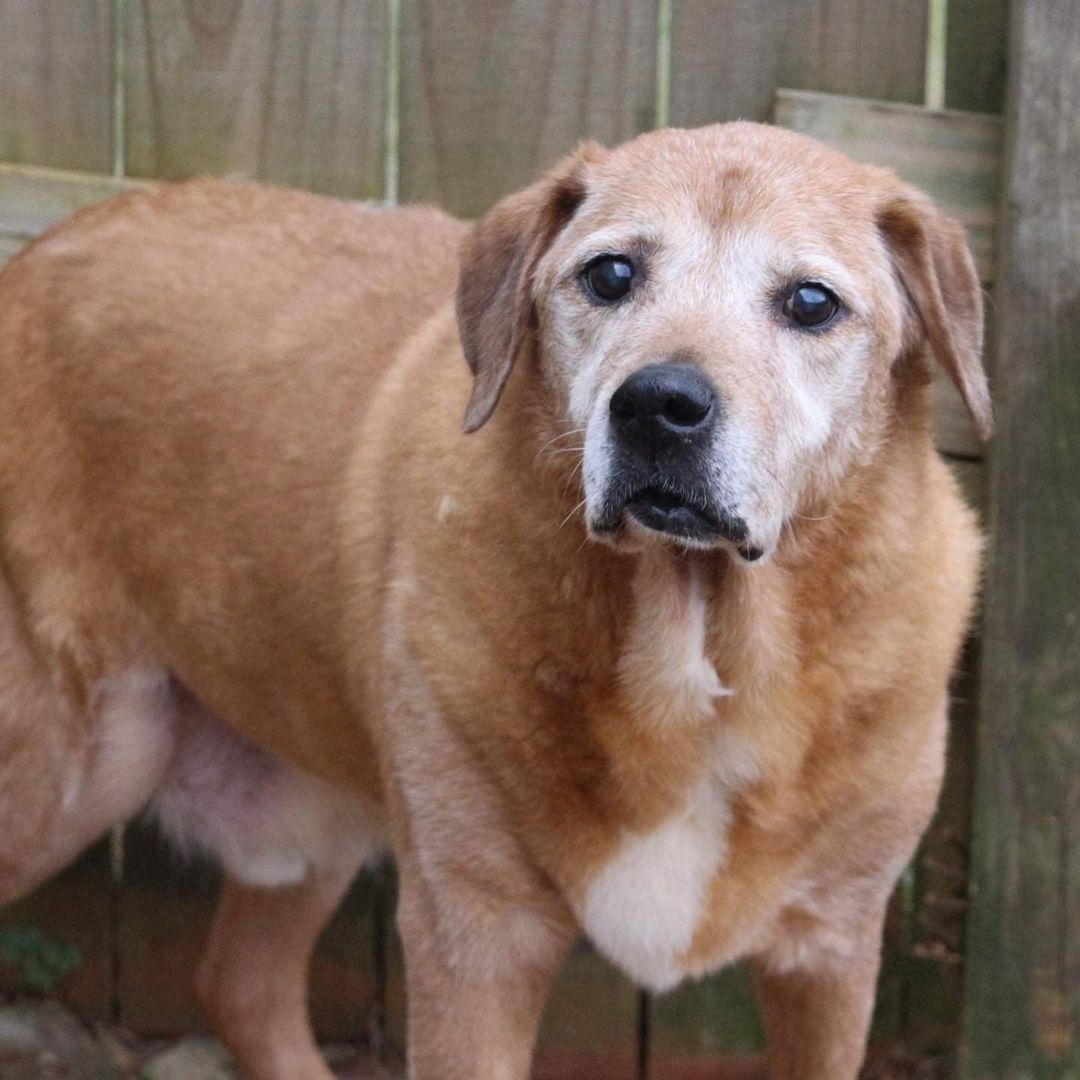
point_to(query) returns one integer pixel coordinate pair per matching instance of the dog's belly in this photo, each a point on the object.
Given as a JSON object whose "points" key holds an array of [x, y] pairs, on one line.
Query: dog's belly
{"points": [[267, 823]]}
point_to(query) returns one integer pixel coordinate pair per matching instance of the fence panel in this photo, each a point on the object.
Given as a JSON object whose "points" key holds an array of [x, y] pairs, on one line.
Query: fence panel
{"points": [[494, 91], [56, 83], [1023, 985], [975, 55], [163, 916], [728, 57], [294, 93]]}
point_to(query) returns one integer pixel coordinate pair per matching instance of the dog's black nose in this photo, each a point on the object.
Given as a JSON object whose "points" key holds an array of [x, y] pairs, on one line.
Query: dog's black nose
{"points": [[663, 405]]}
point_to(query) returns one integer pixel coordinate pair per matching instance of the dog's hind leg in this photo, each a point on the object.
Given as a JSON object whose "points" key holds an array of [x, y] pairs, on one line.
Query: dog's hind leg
{"points": [[69, 770], [290, 844], [252, 984]]}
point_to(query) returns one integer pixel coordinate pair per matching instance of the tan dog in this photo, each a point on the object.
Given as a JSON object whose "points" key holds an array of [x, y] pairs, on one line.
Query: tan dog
{"points": [[659, 652]]}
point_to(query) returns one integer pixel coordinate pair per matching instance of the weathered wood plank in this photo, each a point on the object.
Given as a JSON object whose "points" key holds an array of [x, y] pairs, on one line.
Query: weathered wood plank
{"points": [[729, 56], [32, 199], [165, 909], [693, 1027], [930, 967], [73, 909], [294, 93], [954, 156], [494, 91], [590, 1025], [1022, 1015], [975, 55], [9, 244], [56, 83]]}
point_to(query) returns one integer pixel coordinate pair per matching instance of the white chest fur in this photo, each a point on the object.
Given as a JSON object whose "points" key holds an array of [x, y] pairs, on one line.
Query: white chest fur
{"points": [[642, 908]]}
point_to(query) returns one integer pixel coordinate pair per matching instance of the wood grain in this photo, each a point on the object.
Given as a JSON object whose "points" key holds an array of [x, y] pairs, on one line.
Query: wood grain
{"points": [[701, 1022], [954, 156], [56, 83], [293, 92], [74, 908], [494, 91], [1022, 1014], [975, 65], [590, 1025], [165, 907], [728, 57], [32, 199]]}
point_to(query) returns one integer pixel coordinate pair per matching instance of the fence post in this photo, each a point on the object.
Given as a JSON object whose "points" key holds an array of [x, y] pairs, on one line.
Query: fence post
{"points": [[1022, 1012]]}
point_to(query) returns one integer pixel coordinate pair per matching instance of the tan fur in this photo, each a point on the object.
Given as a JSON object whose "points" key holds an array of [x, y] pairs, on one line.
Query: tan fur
{"points": [[232, 454]]}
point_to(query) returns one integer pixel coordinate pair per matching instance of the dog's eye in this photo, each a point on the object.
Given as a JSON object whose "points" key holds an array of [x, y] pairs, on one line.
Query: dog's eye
{"points": [[810, 304], [608, 278]]}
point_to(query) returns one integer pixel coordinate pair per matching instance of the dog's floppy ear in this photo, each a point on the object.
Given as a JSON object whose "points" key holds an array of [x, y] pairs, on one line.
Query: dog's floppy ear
{"points": [[931, 256], [498, 258]]}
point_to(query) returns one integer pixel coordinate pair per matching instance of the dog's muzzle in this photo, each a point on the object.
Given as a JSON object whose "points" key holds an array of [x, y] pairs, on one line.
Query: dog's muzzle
{"points": [[663, 418]]}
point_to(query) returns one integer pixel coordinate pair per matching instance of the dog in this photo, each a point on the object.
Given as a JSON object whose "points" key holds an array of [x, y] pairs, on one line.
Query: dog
{"points": [[656, 650]]}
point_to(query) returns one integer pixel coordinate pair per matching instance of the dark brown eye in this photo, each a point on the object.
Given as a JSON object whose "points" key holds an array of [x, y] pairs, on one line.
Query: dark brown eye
{"points": [[608, 278], [811, 305]]}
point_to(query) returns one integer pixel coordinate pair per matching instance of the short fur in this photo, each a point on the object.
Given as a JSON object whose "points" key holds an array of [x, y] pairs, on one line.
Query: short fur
{"points": [[252, 569]]}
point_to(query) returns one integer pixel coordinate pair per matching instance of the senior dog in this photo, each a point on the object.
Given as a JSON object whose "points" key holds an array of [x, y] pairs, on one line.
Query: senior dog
{"points": [[658, 651]]}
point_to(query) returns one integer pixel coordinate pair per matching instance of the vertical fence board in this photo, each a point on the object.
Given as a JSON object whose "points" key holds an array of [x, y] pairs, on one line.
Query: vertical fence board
{"points": [[729, 56], [74, 909], [1022, 1013], [590, 1025], [975, 55], [493, 91], [698, 1024], [56, 83], [164, 913], [289, 92]]}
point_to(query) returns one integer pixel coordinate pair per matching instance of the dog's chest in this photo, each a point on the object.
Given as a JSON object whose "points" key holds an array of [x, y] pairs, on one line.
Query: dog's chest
{"points": [[643, 906]]}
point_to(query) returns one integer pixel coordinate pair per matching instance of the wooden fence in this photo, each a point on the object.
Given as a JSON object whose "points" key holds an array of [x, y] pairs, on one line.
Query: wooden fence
{"points": [[458, 102]]}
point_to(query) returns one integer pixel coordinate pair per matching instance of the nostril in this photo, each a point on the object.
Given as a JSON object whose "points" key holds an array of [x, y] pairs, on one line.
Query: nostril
{"points": [[684, 410]]}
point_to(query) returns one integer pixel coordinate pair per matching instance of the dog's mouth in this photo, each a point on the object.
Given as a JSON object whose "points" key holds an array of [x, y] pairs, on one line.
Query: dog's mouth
{"points": [[674, 513], [670, 510]]}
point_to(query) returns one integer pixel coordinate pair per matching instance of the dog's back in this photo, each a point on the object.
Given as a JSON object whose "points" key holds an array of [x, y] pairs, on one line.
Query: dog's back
{"points": [[186, 369]]}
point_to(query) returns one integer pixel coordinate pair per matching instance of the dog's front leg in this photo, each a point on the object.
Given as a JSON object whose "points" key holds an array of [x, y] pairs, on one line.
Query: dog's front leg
{"points": [[478, 969], [817, 1020]]}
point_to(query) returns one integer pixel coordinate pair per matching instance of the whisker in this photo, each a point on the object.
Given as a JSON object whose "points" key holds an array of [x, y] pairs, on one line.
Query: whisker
{"points": [[563, 435], [572, 513]]}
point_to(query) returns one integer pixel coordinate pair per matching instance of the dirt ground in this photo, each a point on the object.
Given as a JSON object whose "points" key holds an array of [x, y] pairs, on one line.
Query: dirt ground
{"points": [[41, 1040]]}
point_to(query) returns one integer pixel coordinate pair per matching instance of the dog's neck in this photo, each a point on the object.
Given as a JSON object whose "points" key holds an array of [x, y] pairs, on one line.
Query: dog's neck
{"points": [[701, 627], [664, 670]]}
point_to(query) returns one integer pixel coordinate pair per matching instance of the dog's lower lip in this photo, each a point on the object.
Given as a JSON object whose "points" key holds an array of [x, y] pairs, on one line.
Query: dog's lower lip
{"points": [[671, 512]]}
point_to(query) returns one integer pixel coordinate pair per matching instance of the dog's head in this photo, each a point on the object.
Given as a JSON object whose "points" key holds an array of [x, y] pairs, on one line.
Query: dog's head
{"points": [[729, 322]]}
